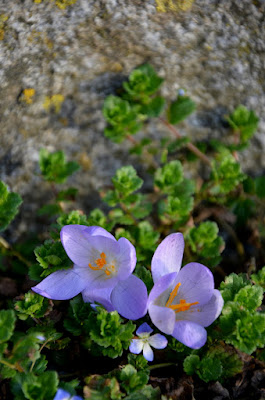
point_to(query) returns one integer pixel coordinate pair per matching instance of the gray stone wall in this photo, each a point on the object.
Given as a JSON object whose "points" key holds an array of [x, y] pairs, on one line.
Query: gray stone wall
{"points": [[216, 51]]}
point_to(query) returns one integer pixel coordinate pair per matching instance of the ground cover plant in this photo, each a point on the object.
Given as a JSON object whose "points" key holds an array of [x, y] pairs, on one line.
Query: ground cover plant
{"points": [[158, 292]]}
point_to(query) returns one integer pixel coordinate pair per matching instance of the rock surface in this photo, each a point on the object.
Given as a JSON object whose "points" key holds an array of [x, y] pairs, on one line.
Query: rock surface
{"points": [[215, 51]]}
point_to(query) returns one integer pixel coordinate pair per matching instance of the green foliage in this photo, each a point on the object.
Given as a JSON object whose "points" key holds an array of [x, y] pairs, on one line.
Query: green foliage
{"points": [[52, 257], [226, 175], [169, 176], [126, 181], [33, 305], [241, 324], [9, 204], [132, 380], [205, 243], [143, 82], [107, 330], [55, 168], [217, 363], [259, 278], [34, 387], [123, 118], [244, 121], [180, 109], [145, 275], [260, 187], [7, 324]]}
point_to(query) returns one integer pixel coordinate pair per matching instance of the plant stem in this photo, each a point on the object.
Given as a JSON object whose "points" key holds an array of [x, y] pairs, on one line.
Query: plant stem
{"points": [[12, 366], [190, 146], [147, 156], [15, 253], [163, 365]]}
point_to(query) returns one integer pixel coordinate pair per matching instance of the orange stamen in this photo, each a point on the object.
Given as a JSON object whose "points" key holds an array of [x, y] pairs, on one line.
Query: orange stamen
{"points": [[173, 294], [182, 306], [100, 262]]}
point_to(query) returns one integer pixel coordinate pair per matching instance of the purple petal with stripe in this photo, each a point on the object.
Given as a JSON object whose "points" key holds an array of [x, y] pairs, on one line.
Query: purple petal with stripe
{"points": [[136, 346], [168, 256], [129, 298], [126, 259], [189, 333], [158, 341], [101, 296], [162, 288], [148, 352], [197, 284], [144, 329], [206, 314], [61, 285], [163, 318], [97, 231]]}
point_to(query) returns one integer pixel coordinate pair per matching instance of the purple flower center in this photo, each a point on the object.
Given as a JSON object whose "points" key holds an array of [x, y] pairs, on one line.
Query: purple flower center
{"points": [[101, 264], [182, 305]]}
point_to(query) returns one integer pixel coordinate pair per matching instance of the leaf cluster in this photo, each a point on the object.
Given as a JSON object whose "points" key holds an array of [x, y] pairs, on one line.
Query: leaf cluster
{"points": [[9, 205], [218, 363], [204, 243], [241, 323], [33, 305], [54, 167], [243, 121]]}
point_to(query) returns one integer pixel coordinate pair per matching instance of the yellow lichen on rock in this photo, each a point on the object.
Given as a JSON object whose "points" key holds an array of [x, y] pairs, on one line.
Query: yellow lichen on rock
{"points": [[53, 103], [173, 5], [3, 19], [62, 4], [27, 95]]}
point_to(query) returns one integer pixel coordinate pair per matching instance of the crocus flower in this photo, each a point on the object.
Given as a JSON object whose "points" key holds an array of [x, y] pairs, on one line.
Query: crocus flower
{"points": [[183, 301], [63, 395], [102, 272], [145, 342]]}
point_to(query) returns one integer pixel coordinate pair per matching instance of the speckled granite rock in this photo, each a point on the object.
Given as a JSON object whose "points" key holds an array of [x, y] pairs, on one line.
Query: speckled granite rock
{"points": [[215, 50]]}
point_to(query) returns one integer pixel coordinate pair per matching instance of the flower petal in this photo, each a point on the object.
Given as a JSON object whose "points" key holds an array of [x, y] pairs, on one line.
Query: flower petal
{"points": [[148, 352], [126, 260], [136, 346], [144, 329], [206, 314], [163, 318], [191, 334], [168, 256], [197, 284], [76, 244], [61, 285], [101, 296], [62, 395], [129, 298], [158, 341], [97, 231], [162, 288]]}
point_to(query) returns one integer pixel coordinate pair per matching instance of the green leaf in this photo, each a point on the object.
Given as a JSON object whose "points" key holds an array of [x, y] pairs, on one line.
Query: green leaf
{"points": [[126, 180], [205, 243], [9, 204], [154, 107], [52, 257], [245, 121], [145, 275], [33, 305], [131, 380], [41, 387], [191, 363], [210, 369], [232, 285], [259, 278], [55, 168], [7, 324], [260, 187], [143, 81], [250, 297], [180, 109], [75, 217], [170, 175]]}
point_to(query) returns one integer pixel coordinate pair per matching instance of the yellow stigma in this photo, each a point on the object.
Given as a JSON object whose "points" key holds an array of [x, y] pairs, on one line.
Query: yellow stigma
{"points": [[100, 263], [183, 305]]}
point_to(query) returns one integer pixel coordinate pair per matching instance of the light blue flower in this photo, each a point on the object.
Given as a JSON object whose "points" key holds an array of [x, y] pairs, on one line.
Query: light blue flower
{"points": [[63, 395], [145, 342]]}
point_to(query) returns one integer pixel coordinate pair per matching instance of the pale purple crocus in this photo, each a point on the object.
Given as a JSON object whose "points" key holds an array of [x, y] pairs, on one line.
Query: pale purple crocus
{"points": [[63, 395], [145, 342], [102, 272], [183, 301]]}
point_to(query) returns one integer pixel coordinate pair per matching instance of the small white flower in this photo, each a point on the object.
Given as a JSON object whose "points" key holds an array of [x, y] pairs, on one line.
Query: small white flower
{"points": [[145, 342]]}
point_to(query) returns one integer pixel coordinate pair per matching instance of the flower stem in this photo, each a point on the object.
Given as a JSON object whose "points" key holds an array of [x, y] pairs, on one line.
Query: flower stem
{"points": [[163, 365], [15, 253], [190, 146]]}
